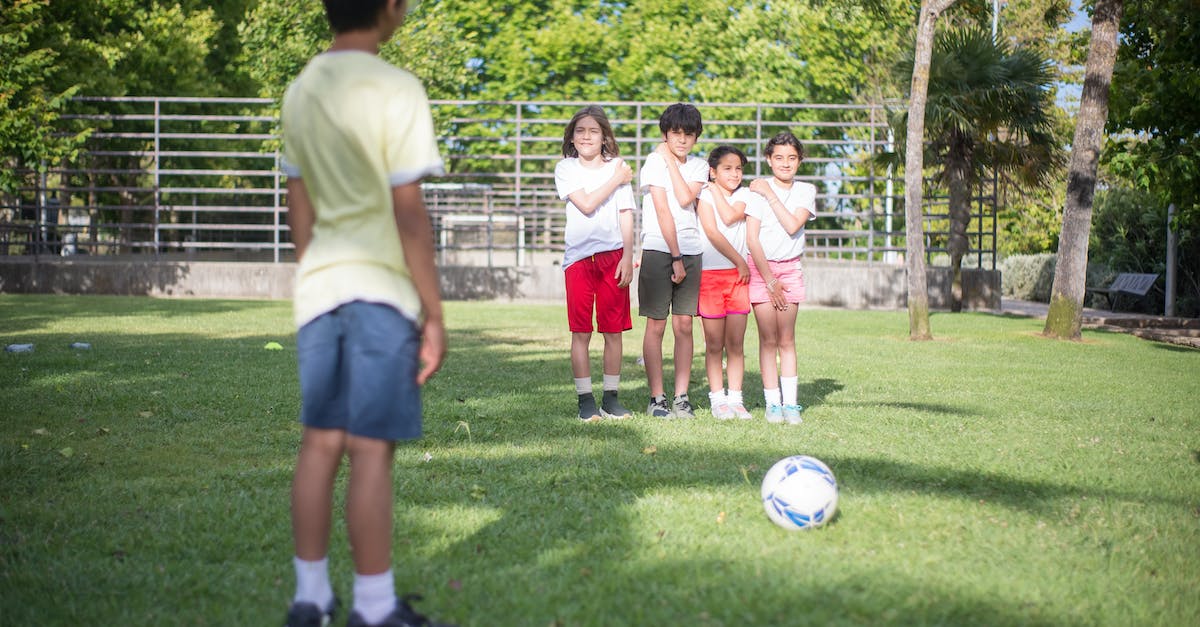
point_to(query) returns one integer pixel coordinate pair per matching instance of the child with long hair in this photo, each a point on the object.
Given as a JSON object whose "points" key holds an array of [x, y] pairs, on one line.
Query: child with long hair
{"points": [[598, 260]]}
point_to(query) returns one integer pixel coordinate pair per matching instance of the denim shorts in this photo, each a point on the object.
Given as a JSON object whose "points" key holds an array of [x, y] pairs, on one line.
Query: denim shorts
{"points": [[358, 372]]}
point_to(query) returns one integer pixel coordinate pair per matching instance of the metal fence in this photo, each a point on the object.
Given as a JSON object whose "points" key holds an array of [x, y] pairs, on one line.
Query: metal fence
{"points": [[199, 178]]}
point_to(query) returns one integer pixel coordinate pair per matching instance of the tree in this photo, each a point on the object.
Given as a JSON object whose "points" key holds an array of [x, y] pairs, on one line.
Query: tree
{"points": [[914, 167], [1065, 318], [1154, 122], [988, 111]]}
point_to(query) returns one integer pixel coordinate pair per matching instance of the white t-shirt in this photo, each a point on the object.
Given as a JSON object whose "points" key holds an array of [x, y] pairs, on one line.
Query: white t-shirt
{"points": [[735, 233], [776, 243], [687, 227], [597, 233]]}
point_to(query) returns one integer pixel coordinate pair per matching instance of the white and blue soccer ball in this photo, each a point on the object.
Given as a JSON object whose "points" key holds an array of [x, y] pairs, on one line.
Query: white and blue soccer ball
{"points": [[799, 492]]}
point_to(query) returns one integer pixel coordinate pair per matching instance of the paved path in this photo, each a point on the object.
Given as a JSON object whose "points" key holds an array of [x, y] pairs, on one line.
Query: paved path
{"points": [[1180, 331]]}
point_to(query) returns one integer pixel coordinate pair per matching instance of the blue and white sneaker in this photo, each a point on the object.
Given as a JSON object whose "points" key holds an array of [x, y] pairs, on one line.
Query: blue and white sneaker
{"points": [[774, 413], [791, 413]]}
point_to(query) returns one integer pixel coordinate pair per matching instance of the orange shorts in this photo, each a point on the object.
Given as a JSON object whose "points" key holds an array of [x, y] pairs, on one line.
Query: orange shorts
{"points": [[721, 295]]}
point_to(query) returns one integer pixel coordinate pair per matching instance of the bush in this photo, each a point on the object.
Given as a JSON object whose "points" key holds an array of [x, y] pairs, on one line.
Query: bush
{"points": [[1030, 277], [1027, 277]]}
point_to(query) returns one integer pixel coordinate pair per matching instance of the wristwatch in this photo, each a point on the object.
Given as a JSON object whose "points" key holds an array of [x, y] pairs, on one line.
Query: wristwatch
{"points": [[675, 258]]}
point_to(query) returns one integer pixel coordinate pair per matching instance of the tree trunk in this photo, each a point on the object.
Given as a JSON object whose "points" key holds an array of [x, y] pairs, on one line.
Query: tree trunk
{"points": [[1065, 318], [914, 167], [960, 218]]}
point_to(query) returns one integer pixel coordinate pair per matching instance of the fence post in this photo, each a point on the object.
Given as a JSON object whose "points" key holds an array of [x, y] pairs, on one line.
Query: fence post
{"points": [[157, 166], [1172, 246]]}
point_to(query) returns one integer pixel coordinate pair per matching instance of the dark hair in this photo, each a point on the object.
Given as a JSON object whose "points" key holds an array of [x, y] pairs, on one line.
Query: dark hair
{"points": [[681, 117], [350, 15], [718, 153], [608, 146], [785, 138]]}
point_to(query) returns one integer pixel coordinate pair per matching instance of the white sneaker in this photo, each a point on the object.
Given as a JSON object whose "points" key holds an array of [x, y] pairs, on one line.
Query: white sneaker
{"points": [[740, 411], [722, 411], [774, 413]]}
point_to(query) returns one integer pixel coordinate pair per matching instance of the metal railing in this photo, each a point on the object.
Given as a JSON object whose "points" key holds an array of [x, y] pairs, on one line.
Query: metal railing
{"points": [[199, 178]]}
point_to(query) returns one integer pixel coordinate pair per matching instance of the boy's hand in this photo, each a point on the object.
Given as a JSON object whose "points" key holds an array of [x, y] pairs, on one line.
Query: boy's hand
{"points": [[624, 273], [678, 272], [433, 349]]}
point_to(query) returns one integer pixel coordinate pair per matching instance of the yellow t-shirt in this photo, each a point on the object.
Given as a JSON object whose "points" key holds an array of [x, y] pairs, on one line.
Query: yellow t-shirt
{"points": [[354, 126]]}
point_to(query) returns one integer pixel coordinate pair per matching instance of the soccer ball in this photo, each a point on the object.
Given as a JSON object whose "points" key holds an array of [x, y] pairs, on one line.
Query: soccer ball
{"points": [[799, 492]]}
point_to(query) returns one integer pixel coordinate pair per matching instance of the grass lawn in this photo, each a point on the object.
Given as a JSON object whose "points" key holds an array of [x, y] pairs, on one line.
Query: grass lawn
{"points": [[990, 477]]}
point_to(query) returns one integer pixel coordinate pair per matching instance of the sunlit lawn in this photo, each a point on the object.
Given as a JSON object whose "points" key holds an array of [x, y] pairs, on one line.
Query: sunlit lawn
{"points": [[990, 477]]}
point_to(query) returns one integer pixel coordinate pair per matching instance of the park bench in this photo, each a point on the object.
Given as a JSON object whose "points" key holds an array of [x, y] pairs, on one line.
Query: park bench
{"points": [[1126, 283]]}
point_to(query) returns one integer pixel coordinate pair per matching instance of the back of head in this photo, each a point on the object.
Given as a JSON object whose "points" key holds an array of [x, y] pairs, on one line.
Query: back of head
{"points": [[785, 138], [681, 117], [351, 15]]}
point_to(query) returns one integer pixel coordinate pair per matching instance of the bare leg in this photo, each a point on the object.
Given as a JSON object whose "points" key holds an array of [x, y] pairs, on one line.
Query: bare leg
{"points": [[682, 326], [652, 354], [786, 340], [735, 355], [312, 490], [369, 504], [612, 354], [714, 348], [768, 344], [580, 364]]}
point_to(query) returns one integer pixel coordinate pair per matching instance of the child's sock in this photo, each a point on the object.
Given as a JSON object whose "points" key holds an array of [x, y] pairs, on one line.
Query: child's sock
{"points": [[789, 385], [772, 397], [611, 382], [312, 582], [374, 596], [716, 399], [734, 397], [583, 385]]}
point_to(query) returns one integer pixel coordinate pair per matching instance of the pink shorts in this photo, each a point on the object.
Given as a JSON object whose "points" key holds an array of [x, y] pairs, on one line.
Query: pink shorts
{"points": [[789, 274], [592, 285], [721, 295]]}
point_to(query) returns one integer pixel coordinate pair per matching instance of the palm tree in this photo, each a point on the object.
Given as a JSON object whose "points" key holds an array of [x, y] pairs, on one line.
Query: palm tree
{"points": [[988, 111]]}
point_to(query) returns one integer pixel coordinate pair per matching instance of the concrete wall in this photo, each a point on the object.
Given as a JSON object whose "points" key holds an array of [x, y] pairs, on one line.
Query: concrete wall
{"points": [[851, 285]]}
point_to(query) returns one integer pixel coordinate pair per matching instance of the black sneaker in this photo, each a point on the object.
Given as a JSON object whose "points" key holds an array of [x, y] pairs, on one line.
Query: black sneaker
{"points": [[587, 408], [309, 615], [403, 616], [611, 408]]}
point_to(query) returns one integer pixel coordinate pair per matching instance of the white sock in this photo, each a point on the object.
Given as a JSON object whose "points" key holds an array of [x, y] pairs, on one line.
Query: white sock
{"points": [[312, 582], [716, 398], [772, 397], [583, 385], [611, 382], [734, 397], [788, 385], [374, 596]]}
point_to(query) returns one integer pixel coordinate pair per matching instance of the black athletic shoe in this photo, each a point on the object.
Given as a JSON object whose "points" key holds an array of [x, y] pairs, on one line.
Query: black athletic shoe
{"points": [[611, 408], [587, 408], [309, 615], [403, 616]]}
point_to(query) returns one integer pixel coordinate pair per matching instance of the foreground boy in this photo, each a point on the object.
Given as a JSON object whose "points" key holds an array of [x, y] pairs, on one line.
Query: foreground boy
{"points": [[358, 139]]}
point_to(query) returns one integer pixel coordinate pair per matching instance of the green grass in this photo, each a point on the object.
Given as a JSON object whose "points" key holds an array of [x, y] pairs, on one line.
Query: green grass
{"points": [[988, 477]]}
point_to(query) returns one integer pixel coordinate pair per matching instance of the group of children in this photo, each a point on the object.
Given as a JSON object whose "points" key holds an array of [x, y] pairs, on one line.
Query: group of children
{"points": [[710, 247]]}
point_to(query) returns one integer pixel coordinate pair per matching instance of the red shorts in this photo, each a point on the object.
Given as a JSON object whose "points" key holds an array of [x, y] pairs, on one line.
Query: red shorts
{"points": [[789, 274], [592, 285], [721, 294]]}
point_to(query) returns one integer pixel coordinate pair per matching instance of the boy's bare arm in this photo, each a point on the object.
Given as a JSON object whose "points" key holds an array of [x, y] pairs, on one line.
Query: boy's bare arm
{"points": [[300, 215], [685, 191], [416, 236], [666, 224]]}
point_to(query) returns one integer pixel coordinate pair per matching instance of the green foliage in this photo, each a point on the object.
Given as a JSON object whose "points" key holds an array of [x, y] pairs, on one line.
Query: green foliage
{"points": [[1129, 232], [1027, 277], [147, 479], [1154, 116]]}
